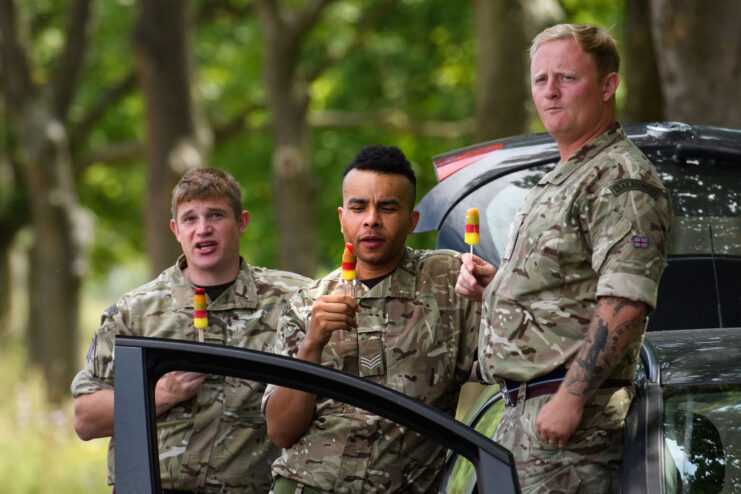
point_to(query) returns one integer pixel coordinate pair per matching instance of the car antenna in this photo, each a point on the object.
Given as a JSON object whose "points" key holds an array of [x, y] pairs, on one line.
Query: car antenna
{"points": [[715, 276]]}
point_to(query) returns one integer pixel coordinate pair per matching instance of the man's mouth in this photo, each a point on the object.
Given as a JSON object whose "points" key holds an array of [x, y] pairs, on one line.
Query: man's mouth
{"points": [[205, 246], [371, 241]]}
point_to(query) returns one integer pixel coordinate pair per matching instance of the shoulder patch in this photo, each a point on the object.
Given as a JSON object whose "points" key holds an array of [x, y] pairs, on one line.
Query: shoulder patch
{"points": [[626, 184]]}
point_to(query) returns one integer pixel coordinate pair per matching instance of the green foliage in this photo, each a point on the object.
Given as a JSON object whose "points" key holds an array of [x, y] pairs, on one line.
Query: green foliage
{"points": [[115, 195], [419, 58], [41, 452]]}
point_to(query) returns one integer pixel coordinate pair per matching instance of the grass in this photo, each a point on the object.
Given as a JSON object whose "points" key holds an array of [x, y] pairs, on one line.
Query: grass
{"points": [[41, 452]]}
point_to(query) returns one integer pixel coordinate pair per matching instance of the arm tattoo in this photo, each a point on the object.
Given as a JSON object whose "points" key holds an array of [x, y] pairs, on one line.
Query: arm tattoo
{"points": [[605, 344]]}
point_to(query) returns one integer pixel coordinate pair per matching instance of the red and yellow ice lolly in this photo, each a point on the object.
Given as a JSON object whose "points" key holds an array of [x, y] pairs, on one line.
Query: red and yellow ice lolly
{"points": [[200, 317], [472, 227], [348, 263]]}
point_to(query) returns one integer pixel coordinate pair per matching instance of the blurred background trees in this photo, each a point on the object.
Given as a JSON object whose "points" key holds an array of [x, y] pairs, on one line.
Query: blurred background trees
{"points": [[106, 104]]}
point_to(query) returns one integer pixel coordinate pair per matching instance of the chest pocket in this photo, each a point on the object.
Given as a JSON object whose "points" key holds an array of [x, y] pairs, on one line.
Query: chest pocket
{"points": [[371, 361]]}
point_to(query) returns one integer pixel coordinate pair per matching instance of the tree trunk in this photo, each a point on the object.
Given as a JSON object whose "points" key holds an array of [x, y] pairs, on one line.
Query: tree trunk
{"points": [[57, 257], [14, 215], [61, 228], [502, 88], [293, 190], [698, 46], [172, 143], [643, 101]]}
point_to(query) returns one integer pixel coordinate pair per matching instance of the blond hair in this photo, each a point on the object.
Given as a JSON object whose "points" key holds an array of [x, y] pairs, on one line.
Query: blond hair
{"points": [[592, 39], [207, 183]]}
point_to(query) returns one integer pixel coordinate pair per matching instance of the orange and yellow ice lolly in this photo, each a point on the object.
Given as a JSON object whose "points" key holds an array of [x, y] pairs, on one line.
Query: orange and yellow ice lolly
{"points": [[471, 236], [348, 263], [200, 317]]}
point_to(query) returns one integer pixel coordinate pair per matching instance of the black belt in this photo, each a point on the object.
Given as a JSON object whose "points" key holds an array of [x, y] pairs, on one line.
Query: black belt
{"points": [[546, 384]]}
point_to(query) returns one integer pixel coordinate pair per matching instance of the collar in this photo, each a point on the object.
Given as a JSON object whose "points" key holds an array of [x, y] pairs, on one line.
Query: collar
{"points": [[401, 283], [241, 295], [583, 155]]}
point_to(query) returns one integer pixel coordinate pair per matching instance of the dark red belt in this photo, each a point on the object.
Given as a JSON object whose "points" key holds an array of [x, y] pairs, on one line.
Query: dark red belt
{"points": [[546, 385]]}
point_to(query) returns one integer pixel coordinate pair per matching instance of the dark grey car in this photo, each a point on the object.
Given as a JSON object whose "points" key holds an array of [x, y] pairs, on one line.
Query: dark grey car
{"points": [[683, 432]]}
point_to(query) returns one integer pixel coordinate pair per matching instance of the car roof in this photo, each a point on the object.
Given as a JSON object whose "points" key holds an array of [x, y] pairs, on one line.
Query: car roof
{"points": [[703, 144], [698, 356]]}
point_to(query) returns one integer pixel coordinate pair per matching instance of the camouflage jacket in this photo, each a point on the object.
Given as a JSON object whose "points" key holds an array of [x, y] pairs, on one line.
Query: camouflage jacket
{"points": [[217, 440], [596, 225], [415, 335]]}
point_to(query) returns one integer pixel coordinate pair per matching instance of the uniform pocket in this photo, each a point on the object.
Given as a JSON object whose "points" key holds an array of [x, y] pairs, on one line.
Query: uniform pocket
{"points": [[370, 354], [618, 228]]}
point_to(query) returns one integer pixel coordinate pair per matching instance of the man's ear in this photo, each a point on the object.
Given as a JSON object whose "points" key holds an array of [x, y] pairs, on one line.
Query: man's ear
{"points": [[413, 220], [243, 221], [174, 229], [339, 213], [609, 86]]}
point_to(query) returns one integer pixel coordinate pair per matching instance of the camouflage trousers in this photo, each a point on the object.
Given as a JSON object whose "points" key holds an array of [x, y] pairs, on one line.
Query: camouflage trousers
{"points": [[590, 461]]}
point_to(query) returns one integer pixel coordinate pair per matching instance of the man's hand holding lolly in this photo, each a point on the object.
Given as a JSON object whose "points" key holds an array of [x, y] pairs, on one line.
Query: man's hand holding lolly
{"points": [[475, 273]]}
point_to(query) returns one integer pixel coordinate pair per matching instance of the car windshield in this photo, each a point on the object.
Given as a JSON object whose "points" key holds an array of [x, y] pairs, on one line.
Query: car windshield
{"points": [[706, 200], [702, 439]]}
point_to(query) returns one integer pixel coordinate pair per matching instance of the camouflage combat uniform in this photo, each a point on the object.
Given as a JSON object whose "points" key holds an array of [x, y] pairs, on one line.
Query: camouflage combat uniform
{"points": [[415, 335], [595, 226], [217, 440]]}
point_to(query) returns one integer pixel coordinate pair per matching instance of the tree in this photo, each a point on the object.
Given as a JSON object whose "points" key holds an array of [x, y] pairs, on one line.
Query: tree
{"points": [[501, 68], [287, 88], [173, 145], [698, 48], [61, 228], [643, 101]]}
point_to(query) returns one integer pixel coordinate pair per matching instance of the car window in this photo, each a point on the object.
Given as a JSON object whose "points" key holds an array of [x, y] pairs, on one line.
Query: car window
{"points": [[502, 207], [705, 198], [702, 438], [484, 416], [497, 201]]}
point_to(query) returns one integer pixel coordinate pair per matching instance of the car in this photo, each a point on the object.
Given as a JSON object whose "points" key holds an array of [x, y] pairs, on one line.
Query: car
{"points": [[683, 431]]}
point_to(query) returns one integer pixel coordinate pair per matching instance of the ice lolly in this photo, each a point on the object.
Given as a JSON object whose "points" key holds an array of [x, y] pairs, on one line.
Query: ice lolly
{"points": [[348, 263], [200, 317], [472, 227]]}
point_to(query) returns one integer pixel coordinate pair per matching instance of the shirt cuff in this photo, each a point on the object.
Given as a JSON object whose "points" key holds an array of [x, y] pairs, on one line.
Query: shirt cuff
{"points": [[629, 286]]}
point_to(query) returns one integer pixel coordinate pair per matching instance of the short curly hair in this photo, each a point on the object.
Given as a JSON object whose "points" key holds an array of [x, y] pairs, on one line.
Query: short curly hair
{"points": [[207, 183], [384, 159]]}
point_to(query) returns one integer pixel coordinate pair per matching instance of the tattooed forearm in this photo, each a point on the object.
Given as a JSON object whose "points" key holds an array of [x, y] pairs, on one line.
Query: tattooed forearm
{"points": [[615, 325]]}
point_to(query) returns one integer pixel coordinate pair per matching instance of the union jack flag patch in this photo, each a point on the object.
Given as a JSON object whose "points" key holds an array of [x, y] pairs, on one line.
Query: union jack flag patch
{"points": [[640, 242]]}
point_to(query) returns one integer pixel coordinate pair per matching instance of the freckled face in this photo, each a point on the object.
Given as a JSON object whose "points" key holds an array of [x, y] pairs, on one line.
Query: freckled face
{"points": [[208, 233], [376, 217]]}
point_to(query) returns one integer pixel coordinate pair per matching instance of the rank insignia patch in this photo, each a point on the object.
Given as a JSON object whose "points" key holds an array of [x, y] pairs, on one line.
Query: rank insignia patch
{"points": [[640, 242]]}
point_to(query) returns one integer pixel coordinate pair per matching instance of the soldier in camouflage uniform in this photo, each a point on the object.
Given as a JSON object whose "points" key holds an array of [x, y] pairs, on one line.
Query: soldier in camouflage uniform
{"points": [[406, 328], [565, 314], [211, 433]]}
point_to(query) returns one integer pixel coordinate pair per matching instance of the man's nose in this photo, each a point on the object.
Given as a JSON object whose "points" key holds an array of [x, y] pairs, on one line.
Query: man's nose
{"points": [[372, 217], [551, 89], [203, 226]]}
